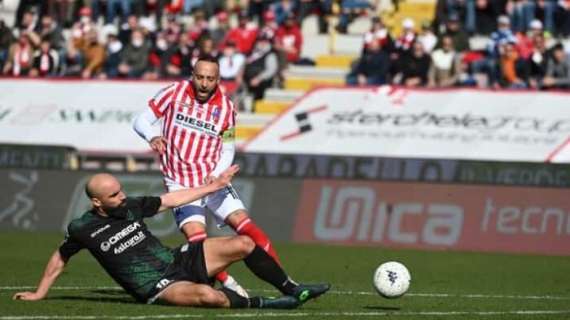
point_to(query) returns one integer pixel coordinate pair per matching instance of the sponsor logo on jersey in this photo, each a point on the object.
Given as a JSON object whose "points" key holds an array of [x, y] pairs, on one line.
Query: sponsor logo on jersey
{"points": [[131, 242], [196, 124], [106, 245], [98, 231]]}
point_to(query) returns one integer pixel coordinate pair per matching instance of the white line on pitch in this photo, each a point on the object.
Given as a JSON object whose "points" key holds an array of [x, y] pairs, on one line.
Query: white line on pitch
{"points": [[299, 314], [339, 292]]}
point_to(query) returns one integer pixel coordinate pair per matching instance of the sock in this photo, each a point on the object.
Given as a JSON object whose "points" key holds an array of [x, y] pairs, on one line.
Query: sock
{"points": [[236, 301], [250, 229], [239, 302], [201, 236], [267, 269]]}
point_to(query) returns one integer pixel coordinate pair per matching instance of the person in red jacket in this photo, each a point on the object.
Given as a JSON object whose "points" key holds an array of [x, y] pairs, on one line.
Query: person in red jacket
{"points": [[289, 40], [243, 35]]}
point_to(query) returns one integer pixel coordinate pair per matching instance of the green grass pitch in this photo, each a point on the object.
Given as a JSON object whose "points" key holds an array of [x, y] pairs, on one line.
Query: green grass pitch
{"points": [[445, 285]]}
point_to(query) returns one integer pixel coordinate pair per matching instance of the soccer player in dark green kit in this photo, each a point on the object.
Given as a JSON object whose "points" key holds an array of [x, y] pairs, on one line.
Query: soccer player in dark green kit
{"points": [[115, 234]]}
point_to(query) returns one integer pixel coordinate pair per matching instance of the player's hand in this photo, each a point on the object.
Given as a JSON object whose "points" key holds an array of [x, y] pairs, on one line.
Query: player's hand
{"points": [[28, 296], [224, 179], [158, 144]]}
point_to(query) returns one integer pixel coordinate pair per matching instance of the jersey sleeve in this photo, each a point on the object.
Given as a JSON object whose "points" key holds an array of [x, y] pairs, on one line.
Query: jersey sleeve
{"points": [[148, 205], [69, 246], [161, 100]]}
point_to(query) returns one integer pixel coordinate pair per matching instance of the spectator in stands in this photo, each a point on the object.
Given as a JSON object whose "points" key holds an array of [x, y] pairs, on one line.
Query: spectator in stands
{"points": [[134, 58], [289, 41], [563, 18], [481, 16], [182, 65], [160, 53], [270, 25], [489, 65], [190, 6], [524, 40], [256, 8], [537, 62], [283, 9], [511, 66], [260, 69], [20, 57], [199, 27], [406, 40], [231, 62], [427, 37], [543, 10], [415, 67], [50, 30], [113, 56], [519, 13], [6, 40], [62, 11], [93, 54], [557, 69], [127, 28], [72, 64], [350, 9], [46, 60], [243, 35], [114, 6], [446, 65], [378, 33], [222, 28], [322, 7], [459, 36], [372, 68]]}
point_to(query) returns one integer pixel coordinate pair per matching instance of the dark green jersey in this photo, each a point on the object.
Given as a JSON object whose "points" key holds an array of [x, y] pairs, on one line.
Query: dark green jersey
{"points": [[122, 244]]}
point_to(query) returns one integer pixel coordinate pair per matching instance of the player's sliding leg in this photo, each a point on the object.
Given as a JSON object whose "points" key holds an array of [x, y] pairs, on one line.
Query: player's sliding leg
{"points": [[184, 293], [219, 252], [243, 225], [195, 231]]}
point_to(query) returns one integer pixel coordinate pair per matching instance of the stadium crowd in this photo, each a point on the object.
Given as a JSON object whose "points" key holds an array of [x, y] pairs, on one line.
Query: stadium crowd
{"points": [[158, 39]]}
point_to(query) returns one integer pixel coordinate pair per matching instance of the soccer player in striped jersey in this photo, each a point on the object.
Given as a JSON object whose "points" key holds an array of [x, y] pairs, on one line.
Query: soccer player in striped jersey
{"points": [[196, 142]]}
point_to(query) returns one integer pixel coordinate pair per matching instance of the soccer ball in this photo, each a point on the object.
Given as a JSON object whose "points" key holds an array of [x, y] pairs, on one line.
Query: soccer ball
{"points": [[392, 279]]}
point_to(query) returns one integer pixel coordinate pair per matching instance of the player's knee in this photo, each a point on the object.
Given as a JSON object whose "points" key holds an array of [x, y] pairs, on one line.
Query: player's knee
{"points": [[244, 245], [209, 297]]}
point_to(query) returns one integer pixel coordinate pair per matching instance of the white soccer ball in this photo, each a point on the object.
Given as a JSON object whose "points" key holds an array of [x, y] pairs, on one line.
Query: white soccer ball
{"points": [[392, 279]]}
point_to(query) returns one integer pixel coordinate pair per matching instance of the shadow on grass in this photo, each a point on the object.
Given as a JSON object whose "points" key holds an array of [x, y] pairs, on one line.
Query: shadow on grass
{"points": [[381, 308], [100, 295]]}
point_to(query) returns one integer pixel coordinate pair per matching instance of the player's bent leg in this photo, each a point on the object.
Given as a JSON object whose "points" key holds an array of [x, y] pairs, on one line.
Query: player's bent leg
{"points": [[221, 252], [185, 293]]}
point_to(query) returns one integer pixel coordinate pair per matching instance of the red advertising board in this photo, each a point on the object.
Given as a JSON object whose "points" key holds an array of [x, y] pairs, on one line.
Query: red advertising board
{"points": [[435, 216]]}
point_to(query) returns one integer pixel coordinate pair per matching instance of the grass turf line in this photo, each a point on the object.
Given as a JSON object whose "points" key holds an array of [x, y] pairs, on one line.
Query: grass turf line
{"points": [[452, 274]]}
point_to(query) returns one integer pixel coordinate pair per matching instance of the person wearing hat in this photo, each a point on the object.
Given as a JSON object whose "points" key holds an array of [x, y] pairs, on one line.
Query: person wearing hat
{"points": [[231, 62], [408, 36]]}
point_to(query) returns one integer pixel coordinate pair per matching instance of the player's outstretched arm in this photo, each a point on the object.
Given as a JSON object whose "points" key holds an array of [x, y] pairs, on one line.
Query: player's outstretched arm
{"points": [[53, 269], [181, 197]]}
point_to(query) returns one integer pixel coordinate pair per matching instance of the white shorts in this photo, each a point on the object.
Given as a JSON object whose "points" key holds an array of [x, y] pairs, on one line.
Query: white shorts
{"points": [[221, 203]]}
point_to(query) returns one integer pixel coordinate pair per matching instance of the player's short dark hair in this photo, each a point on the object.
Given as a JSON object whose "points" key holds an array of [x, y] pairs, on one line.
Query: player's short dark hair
{"points": [[208, 58]]}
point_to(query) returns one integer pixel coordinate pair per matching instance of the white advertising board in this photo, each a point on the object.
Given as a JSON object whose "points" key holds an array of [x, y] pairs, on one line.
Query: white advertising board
{"points": [[448, 124], [88, 115]]}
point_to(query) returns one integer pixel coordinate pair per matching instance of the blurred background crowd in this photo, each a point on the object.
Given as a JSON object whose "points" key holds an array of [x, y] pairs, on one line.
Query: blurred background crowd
{"points": [[510, 44]]}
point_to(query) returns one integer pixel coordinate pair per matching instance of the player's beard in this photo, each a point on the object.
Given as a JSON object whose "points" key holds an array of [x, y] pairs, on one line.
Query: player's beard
{"points": [[119, 211], [198, 91]]}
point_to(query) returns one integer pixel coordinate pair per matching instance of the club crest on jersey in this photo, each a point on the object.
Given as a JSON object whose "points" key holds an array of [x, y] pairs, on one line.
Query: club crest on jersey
{"points": [[216, 113]]}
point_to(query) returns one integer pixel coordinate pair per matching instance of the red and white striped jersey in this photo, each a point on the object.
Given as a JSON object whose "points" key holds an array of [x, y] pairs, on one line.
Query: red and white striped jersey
{"points": [[194, 131]]}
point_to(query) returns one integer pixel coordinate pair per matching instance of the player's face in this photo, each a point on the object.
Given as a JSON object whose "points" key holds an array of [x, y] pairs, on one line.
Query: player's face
{"points": [[113, 197], [205, 79]]}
